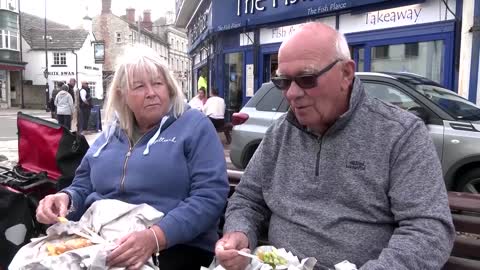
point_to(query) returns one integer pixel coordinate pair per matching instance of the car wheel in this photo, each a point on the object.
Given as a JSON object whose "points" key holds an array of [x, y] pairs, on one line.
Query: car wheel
{"points": [[249, 155], [469, 182]]}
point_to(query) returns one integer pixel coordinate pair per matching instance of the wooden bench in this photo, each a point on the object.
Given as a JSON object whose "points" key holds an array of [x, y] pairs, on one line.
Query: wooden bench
{"points": [[465, 209]]}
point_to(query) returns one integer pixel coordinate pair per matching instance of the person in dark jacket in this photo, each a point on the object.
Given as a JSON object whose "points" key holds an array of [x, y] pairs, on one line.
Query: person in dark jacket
{"points": [[71, 88], [85, 105]]}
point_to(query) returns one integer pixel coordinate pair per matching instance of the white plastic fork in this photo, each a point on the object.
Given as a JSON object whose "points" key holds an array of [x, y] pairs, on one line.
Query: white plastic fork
{"points": [[248, 255]]}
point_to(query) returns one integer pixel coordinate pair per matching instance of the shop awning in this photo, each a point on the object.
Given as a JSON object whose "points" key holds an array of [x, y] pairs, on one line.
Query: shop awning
{"points": [[12, 67]]}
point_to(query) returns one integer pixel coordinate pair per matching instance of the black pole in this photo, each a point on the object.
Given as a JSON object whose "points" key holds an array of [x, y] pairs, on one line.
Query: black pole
{"points": [[46, 62], [22, 104]]}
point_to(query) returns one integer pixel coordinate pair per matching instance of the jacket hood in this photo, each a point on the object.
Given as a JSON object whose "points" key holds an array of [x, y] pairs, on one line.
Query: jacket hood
{"points": [[114, 131], [357, 97]]}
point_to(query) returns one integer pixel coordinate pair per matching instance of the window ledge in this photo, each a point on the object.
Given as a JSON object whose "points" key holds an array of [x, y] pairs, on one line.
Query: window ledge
{"points": [[58, 66]]}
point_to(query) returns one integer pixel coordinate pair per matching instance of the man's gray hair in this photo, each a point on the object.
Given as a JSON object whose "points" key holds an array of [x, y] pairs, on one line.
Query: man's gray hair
{"points": [[138, 60], [342, 49]]}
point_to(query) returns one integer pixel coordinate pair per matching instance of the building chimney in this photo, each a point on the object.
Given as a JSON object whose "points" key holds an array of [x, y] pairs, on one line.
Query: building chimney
{"points": [[87, 24], [147, 20], [131, 15], [106, 6]]}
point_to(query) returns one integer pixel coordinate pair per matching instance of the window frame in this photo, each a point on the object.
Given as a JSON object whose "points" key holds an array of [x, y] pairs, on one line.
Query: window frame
{"points": [[6, 40], [58, 57], [118, 37]]}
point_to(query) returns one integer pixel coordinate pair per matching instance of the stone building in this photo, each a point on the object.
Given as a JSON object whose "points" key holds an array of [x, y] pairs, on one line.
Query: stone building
{"points": [[178, 58], [117, 32]]}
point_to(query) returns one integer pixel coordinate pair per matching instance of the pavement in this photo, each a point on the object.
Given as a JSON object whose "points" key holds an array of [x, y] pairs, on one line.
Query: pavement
{"points": [[9, 139]]}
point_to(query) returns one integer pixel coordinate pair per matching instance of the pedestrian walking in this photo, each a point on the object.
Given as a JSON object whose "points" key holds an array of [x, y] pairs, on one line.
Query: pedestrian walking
{"points": [[215, 110], [64, 104]]}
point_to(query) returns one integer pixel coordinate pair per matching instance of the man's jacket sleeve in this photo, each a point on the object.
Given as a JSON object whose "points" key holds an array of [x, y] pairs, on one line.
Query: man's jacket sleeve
{"points": [[247, 211], [419, 204]]}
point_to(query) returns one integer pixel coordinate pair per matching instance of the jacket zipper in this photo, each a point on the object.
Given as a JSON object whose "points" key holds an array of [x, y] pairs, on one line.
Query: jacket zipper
{"points": [[317, 165], [127, 156]]}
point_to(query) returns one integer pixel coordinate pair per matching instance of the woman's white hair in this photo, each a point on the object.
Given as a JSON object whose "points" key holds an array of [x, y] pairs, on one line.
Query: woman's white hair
{"points": [[138, 60]]}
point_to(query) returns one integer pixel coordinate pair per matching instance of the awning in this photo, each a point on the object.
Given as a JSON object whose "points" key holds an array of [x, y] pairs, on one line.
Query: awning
{"points": [[12, 67]]}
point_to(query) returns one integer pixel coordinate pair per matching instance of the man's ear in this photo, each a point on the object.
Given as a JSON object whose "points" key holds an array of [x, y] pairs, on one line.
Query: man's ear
{"points": [[348, 71]]}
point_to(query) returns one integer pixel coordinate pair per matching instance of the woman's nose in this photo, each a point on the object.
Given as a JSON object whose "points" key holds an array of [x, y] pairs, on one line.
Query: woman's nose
{"points": [[149, 91]]}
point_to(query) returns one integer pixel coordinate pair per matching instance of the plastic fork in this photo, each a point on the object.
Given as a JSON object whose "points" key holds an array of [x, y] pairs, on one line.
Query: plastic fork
{"points": [[248, 255]]}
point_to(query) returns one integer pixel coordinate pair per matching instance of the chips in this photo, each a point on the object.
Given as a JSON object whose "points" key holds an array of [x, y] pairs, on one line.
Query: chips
{"points": [[60, 248]]}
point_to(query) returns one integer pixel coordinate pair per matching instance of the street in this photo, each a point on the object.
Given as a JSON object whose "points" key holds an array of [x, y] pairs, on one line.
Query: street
{"points": [[9, 143]]}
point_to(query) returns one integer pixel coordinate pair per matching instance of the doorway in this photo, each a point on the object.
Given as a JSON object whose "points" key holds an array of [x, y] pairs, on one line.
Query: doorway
{"points": [[270, 63]]}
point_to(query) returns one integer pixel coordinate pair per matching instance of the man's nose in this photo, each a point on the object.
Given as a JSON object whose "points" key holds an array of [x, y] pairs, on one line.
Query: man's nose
{"points": [[294, 91]]}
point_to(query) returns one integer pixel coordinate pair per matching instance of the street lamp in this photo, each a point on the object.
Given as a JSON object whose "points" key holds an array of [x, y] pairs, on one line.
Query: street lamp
{"points": [[46, 62]]}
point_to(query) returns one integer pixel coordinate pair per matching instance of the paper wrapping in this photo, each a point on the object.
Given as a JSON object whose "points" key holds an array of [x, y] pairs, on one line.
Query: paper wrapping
{"points": [[111, 219]]}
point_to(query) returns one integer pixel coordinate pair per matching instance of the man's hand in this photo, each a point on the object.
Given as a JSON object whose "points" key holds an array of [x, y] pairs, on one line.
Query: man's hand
{"points": [[226, 251], [51, 207], [135, 249]]}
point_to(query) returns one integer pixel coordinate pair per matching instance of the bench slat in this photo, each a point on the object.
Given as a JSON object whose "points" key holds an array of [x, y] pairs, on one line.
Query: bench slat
{"points": [[465, 223], [466, 247], [456, 263], [461, 201]]}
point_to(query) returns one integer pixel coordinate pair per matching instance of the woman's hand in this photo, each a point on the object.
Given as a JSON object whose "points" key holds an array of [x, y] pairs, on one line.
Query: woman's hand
{"points": [[51, 207], [135, 249]]}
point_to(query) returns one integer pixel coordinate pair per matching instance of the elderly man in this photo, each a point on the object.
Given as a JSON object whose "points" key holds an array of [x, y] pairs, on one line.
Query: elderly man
{"points": [[341, 176]]}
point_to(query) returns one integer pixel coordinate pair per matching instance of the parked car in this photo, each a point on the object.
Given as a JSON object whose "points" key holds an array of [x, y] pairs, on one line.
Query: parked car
{"points": [[453, 122]]}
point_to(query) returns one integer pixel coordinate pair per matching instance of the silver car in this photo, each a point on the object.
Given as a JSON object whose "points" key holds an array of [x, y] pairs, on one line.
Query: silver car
{"points": [[453, 122]]}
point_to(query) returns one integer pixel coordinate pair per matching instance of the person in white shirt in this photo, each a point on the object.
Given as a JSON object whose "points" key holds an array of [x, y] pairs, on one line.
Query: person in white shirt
{"points": [[215, 109], [198, 102]]}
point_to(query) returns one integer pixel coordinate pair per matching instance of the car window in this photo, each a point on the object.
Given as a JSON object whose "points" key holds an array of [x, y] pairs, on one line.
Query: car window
{"points": [[390, 94], [455, 105], [271, 101], [284, 106]]}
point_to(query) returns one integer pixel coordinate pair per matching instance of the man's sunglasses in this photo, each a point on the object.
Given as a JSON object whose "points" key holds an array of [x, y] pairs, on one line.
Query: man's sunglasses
{"points": [[305, 81]]}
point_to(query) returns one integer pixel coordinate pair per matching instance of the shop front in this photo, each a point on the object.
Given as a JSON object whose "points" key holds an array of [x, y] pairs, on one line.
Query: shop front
{"points": [[397, 36]]}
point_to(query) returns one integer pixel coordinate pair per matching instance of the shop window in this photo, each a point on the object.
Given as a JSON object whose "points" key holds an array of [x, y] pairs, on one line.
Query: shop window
{"points": [[60, 58], [428, 62], [411, 50], [381, 52], [233, 78]]}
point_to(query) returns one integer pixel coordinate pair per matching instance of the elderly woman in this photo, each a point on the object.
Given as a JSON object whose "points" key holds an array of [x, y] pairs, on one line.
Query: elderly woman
{"points": [[155, 151]]}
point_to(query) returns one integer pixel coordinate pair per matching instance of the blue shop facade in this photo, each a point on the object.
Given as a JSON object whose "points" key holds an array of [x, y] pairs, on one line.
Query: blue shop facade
{"points": [[234, 43]]}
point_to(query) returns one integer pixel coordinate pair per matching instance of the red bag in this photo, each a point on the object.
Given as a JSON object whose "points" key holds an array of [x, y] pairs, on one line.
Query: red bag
{"points": [[49, 148]]}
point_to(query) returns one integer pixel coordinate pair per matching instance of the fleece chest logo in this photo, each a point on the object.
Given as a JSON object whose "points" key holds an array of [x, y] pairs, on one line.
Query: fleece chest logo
{"points": [[356, 165], [166, 140]]}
